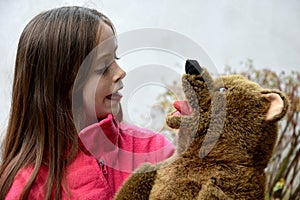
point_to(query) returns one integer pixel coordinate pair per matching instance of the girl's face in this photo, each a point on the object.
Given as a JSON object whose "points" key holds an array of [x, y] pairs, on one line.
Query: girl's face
{"points": [[101, 91]]}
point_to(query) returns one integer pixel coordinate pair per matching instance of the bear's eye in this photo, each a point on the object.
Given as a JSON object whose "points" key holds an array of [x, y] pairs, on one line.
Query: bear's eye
{"points": [[222, 89]]}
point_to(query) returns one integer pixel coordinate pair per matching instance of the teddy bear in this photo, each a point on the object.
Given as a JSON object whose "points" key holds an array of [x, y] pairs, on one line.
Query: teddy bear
{"points": [[227, 129]]}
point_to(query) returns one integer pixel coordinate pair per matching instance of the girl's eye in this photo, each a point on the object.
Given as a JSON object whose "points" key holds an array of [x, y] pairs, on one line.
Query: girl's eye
{"points": [[107, 65], [102, 70], [222, 89]]}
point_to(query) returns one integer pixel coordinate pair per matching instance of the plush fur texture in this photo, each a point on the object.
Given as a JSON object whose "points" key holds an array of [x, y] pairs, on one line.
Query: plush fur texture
{"points": [[222, 148]]}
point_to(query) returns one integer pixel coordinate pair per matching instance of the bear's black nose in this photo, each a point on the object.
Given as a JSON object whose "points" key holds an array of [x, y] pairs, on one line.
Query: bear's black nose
{"points": [[192, 67]]}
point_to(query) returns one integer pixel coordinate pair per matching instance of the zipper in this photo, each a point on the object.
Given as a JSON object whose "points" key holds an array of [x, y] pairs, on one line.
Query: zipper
{"points": [[102, 166], [105, 176]]}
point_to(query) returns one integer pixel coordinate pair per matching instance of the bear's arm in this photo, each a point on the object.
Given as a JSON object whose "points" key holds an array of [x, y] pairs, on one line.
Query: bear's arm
{"points": [[139, 184], [210, 191]]}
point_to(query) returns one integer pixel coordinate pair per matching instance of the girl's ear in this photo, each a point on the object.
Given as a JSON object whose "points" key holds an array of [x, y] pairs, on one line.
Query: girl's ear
{"points": [[278, 105]]}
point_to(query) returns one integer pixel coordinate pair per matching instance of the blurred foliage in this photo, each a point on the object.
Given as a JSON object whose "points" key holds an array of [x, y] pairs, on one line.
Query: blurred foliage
{"points": [[283, 171]]}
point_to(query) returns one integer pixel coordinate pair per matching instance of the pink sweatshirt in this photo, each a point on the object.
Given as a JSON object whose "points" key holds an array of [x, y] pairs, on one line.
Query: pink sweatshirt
{"points": [[113, 151]]}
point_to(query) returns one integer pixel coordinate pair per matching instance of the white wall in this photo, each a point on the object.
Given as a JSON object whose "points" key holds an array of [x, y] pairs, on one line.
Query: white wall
{"points": [[230, 31]]}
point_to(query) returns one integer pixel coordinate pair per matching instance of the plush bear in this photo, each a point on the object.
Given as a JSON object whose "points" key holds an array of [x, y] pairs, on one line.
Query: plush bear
{"points": [[227, 132]]}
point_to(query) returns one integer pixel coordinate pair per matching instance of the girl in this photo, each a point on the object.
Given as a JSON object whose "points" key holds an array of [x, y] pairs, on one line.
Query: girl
{"points": [[60, 86]]}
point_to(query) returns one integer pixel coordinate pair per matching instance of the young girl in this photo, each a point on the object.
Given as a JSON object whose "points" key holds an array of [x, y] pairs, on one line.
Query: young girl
{"points": [[67, 81]]}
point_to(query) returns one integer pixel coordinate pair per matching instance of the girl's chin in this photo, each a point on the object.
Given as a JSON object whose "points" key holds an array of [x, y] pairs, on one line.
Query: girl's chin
{"points": [[114, 110]]}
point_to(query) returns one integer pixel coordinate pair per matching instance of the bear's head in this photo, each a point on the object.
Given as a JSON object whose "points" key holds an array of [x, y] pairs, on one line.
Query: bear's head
{"points": [[226, 119]]}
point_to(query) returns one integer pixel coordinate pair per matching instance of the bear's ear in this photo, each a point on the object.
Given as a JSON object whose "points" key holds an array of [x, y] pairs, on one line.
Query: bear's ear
{"points": [[278, 105]]}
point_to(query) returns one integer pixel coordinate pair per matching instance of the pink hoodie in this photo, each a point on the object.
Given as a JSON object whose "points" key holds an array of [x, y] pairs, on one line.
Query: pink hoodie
{"points": [[114, 150]]}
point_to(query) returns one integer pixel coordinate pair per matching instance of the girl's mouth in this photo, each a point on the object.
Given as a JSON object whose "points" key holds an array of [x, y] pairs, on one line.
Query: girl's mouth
{"points": [[115, 96]]}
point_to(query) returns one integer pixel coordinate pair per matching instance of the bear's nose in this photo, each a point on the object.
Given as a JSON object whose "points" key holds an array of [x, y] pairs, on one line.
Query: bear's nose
{"points": [[192, 67]]}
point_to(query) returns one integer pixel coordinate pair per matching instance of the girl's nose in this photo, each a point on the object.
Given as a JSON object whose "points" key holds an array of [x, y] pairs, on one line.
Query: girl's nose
{"points": [[119, 74]]}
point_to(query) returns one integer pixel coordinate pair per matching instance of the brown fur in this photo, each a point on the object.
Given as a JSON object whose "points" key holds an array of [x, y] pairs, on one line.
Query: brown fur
{"points": [[222, 149]]}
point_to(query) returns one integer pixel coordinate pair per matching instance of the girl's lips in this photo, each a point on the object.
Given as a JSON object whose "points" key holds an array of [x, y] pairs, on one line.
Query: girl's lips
{"points": [[115, 96]]}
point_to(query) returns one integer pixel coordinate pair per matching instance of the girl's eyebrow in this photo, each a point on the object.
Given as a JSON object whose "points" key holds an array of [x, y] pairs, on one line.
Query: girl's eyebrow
{"points": [[102, 70], [107, 54], [102, 58]]}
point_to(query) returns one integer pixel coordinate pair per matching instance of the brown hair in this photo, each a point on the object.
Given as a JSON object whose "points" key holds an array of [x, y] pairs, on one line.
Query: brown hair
{"points": [[41, 128]]}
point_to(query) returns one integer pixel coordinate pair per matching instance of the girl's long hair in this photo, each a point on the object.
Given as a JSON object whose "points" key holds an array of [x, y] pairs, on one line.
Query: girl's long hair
{"points": [[41, 128]]}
